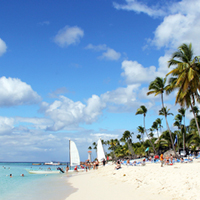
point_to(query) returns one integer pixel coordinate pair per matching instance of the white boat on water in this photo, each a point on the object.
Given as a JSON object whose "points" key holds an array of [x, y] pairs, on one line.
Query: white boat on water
{"points": [[74, 161], [43, 171], [52, 163]]}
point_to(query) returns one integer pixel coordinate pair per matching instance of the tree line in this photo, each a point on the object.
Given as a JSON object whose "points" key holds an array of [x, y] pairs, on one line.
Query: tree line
{"points": [[184, 80]]}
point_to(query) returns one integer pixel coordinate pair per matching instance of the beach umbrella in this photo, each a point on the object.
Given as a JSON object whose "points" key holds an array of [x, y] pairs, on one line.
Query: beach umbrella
{"points": [[147, 149], [167, 153]]}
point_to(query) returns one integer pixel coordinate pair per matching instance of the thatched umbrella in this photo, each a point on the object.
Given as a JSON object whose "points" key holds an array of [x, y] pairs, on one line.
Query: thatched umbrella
{"points": [[167, 153]]}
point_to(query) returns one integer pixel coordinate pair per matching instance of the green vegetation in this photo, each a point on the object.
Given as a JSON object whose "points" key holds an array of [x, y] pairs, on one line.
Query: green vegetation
{"points": [[185, 79]]}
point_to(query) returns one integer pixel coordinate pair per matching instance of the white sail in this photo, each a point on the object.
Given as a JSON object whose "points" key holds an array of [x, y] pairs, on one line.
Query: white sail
{"points": [[74, 155], [100, 151]]}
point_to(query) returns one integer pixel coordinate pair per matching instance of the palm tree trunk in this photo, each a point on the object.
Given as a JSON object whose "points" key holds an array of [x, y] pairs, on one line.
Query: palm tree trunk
{"points": [[184, 135], [151, 143], [162, 100], [195, 117], [170, 133], [148, 138], [158, 134]]}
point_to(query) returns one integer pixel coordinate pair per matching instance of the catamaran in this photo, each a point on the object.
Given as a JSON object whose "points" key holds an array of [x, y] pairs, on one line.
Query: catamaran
{"points": [[73, 158], [100, 151]]}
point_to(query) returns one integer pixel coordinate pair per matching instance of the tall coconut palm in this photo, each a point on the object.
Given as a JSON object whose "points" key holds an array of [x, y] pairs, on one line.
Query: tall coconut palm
{"points": [[186, 76], [178, 122], [158, 86], [155, 127], [151, 133], [182, 112], [127, 135], [142, 111], [165, 112], [141, 130], [139, 137], [95, 145], [159, 122]]}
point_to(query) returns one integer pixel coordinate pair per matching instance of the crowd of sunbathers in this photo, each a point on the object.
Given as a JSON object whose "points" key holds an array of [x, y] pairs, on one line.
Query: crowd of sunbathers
{"points": [[167, 160]]}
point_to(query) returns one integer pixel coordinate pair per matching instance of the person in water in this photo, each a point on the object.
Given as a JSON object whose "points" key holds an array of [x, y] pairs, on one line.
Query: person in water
{"points": [[67, 168]]}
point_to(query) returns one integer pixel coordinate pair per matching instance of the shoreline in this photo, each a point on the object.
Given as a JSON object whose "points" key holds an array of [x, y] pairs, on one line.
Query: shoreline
{"points": [[47, 187], [179, 181]]}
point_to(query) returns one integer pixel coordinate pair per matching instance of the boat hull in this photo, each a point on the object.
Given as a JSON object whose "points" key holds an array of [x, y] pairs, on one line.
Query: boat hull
{"points": [[42, 172], [73, 171]]}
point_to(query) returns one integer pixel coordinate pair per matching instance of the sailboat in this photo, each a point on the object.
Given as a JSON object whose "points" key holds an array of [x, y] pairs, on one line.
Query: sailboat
{"points": [[100, 151], [74, 158]]}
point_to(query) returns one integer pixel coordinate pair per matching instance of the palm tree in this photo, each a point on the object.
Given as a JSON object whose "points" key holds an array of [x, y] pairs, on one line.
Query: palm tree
{"points": [[182, 112], [127, 135], [165, 112], [95, 145], [158, 87], [142, 111], [159, 122], [186, 77], [139, 137], [178, 120], [151, 133], [141, 130], [155, 127], [195, 110]]}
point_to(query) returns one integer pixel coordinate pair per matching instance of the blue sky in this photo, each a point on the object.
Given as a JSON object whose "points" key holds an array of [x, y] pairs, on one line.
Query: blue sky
{"points": [[80, 69]]}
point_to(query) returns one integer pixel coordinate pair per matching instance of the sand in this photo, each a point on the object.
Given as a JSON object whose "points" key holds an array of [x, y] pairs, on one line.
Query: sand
{"points": [[177, 182]]}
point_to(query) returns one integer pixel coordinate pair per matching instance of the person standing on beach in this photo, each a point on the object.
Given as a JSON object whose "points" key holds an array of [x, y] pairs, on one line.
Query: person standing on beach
{"points": [[171, 158], [161, 160], [97, 164], [104, 162]]}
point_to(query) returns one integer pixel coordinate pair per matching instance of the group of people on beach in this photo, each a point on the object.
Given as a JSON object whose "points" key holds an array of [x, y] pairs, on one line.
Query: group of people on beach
{"points": [[88, 165], [170, 160]]}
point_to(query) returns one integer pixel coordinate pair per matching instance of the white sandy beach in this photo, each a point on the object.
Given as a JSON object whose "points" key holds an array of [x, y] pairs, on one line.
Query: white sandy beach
{"points": [[177, 182]]}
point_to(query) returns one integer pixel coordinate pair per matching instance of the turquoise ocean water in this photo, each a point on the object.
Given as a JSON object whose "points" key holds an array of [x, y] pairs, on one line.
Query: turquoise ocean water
{"points": [[31, 186]]}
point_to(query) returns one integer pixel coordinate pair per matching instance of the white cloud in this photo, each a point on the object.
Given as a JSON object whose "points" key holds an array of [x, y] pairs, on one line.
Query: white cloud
{"points": [[6, 125], [44, 23], [134, 5], [68, 36], [58, 91], [111, 54], [121, 95], [3, 47], [100, 47], [15, 92], [69, 113], [38, 123], [177, 29], [108, 54], [104, 136], [134, 72], [181, 22]]}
